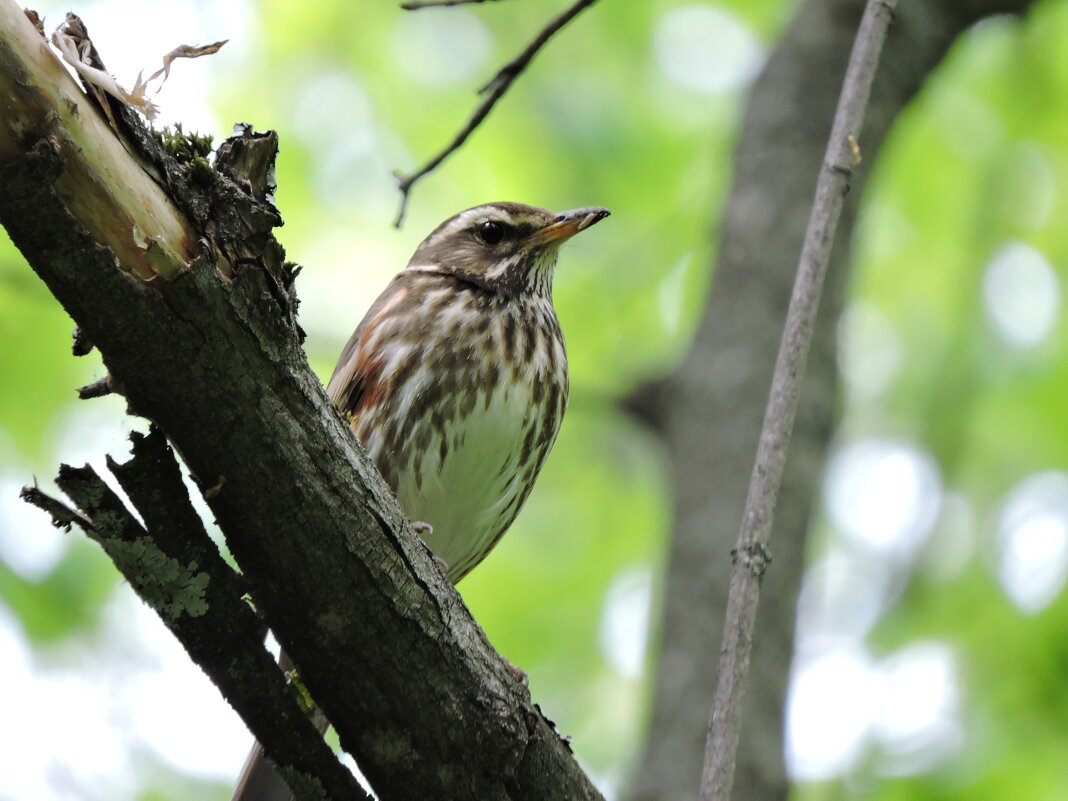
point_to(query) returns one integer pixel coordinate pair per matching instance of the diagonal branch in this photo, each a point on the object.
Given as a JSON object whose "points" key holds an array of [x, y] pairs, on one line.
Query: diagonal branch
{"points": [[494, 89], [177, 570], [751, 556], [181, 285], [415, 5]]}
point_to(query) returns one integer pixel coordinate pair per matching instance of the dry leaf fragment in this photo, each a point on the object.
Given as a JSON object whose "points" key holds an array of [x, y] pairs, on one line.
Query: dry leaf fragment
{"points": [[184, 51], [76, 48], [76, 52]]}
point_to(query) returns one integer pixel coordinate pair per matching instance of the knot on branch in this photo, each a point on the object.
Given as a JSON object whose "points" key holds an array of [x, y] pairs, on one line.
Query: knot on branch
{"points": [[754, 556]]}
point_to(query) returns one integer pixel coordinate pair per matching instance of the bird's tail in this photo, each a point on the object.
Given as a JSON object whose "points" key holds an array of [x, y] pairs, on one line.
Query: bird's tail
{"points": [[259, 781]]}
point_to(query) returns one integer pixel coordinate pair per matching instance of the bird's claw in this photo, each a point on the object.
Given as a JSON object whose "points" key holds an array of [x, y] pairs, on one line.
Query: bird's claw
{"points": [[420, 528]]}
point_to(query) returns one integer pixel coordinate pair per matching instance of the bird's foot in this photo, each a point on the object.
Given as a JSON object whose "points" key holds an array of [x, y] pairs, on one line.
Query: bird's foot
{"points": [[420, 528]]}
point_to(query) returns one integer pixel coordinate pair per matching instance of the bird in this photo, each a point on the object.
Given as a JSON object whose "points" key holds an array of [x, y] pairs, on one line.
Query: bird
{"points": [[456, 379], [456, 383]]}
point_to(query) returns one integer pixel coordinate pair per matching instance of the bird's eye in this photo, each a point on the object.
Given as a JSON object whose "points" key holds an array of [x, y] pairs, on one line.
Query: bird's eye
{"points": [[492, 232]]}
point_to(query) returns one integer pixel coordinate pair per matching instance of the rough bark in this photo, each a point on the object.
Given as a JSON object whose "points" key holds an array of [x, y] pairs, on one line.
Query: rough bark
{"points": [[176, 569], [710, 411], [196, 323]]}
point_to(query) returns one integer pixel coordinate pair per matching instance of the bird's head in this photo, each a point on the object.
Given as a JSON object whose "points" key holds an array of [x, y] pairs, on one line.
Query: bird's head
{"points": [[507, 248]]}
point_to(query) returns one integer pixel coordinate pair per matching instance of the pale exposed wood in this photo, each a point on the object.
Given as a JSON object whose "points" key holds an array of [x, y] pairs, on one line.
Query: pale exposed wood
{"points": [[106, 190]]}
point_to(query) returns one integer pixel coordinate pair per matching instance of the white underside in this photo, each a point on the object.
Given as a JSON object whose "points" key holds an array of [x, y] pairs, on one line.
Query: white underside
{"points": [[464, 497]]}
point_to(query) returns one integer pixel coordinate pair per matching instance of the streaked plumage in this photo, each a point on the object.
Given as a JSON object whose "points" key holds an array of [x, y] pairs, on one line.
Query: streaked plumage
{"points": [[456, 380]]}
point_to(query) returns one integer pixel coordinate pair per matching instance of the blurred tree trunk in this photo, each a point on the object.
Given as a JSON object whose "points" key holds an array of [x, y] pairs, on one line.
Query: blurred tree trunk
{"points": [[710, 411]]}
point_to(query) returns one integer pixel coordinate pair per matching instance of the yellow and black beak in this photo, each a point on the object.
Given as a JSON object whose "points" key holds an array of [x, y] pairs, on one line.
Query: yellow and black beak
{"points": [[569, 223]]}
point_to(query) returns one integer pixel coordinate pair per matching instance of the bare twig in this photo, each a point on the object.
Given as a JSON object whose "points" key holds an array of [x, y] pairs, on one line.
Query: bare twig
{"points": [[97, 389], [751, 557], [63, 516], [415, 5], [493, 90]]}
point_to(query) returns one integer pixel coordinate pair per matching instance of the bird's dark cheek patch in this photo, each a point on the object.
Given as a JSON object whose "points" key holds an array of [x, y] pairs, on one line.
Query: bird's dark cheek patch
{"points": [[470, 259]]}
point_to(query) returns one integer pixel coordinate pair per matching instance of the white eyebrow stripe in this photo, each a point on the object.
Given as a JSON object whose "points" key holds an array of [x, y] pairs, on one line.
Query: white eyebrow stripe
{"points": [[468, 217]]}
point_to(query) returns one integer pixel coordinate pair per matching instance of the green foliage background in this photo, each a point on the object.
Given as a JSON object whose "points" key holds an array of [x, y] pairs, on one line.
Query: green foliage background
{"points": [[355, 90]]}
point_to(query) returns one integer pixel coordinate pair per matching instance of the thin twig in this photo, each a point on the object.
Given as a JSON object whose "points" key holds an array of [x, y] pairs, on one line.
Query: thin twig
{"points": [[415, 5], [97, 389], [751, 556], [63, 516], [493, 90]]}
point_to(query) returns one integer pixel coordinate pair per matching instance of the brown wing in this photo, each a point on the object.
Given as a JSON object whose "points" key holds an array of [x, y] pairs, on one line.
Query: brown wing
{"points": [[346, 384], [355, 375]]}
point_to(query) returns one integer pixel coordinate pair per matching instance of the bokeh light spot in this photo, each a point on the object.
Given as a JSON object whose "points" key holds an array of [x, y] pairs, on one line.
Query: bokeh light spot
{"points": [[1021, 294], [625, 622], [841, 598], [884, 495], [917, 722], [706, 49], [1032, 541], [29, 549], [869, 350], [830, 709], [440, 47]]}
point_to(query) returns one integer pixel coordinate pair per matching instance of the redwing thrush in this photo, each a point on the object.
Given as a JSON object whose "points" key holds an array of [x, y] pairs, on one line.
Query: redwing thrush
{"points": [[456, 382]]}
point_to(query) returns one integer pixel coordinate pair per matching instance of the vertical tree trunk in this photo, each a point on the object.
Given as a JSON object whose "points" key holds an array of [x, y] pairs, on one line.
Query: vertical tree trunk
{"points": [[710, 411]]}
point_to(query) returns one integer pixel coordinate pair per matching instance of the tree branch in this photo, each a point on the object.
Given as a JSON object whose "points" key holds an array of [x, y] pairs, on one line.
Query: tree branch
{"points": [[751, 557], [199, 329], [415, 5], [494, 89], [176, 569], [710, 410]]}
